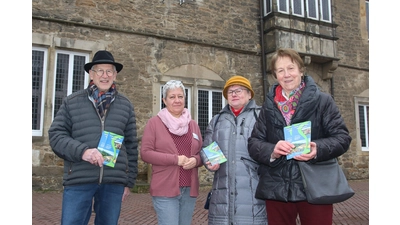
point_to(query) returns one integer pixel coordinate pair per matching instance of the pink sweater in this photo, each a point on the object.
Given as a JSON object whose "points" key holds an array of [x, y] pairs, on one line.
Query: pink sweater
{"points": [[158, 148]]}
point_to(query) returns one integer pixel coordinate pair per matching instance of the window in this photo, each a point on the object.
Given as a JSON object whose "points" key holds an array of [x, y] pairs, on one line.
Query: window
{"points": [[209, 103], [267, 7], [363, 111], [312, 9], [316, 9], [361, 104], [367, 15], [70, 75], [325, 9], [283, 6], [39, 65], [298, 7]]}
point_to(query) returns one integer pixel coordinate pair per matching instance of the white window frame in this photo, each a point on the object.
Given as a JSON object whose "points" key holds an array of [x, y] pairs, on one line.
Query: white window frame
{"points": [[39, 132], [267, 2], [70, 73], [315, 13], [301, 6], [210, 103], [363, 102], [309, 11], [367, 15], [286, 2], [322, 3]]}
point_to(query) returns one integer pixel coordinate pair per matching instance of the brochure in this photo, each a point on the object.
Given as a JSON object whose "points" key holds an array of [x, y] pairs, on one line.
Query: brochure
{"points": [[214, 154], [109, 146], [298, 134]]}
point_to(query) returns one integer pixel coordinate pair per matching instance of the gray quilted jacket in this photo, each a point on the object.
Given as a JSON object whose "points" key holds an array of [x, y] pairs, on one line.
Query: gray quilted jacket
{"points": [[77, 127], [235, 182]]}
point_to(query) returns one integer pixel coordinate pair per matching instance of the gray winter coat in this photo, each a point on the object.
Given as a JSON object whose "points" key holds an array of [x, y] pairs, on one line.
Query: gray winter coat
{"points": [[235, 182], [77, 127], [281, 179]]}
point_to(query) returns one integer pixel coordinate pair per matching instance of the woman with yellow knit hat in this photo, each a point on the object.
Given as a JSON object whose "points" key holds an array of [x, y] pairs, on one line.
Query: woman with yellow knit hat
{"points": [[235, 181]]}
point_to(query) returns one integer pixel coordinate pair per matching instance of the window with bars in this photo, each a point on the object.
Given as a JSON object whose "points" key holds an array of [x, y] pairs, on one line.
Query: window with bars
{"points": [[363, 111], [39, 64], [315, 9], [70, 75], [209, 102]]}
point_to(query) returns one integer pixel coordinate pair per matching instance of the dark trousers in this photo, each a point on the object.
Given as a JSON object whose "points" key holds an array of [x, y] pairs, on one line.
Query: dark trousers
{"points": [[285, 213]]}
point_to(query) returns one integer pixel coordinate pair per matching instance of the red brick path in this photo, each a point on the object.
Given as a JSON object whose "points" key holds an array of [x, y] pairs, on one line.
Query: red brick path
{"points": [[138, 209]]}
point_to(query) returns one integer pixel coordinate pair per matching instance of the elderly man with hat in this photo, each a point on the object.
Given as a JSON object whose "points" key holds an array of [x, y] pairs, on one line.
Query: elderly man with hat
{"points": [[74, 136], [235, 181]]}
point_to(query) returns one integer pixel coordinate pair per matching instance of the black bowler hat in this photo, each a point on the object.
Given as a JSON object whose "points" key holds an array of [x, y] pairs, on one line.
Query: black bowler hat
{"points": [[103, 57]]}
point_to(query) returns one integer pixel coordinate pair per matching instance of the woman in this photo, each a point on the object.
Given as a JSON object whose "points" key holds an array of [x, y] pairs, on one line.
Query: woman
{"points": [[295, 98], [171, 142], [235, 181]]}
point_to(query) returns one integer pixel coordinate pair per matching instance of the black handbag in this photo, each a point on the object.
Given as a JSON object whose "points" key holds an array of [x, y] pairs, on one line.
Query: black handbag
{"points": [[207, 204], [325, 182]]}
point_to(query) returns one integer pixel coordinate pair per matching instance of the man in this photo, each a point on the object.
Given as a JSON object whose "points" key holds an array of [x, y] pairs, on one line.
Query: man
{"points": [[74, 136]]}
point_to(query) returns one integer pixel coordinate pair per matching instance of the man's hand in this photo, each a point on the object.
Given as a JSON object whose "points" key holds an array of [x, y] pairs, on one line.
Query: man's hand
{"points": [[93, 156], [127, 191]]}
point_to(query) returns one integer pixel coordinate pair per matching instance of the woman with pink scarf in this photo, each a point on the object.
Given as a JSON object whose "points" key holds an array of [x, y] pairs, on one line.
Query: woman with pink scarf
{"points": [[171, 142]]}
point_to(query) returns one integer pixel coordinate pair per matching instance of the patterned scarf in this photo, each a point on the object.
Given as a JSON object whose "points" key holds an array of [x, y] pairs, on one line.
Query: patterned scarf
{"points": [[178, 126], [288, 107], [102, 99]]}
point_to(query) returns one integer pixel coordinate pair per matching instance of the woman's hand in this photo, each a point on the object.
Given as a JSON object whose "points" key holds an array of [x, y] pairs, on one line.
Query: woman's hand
{"points": [[190, 163], [282, 148], [182, 159], [308, 156], [214, 168]]}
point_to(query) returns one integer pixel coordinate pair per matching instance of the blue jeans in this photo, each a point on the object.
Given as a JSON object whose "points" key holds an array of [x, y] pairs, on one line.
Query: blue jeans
{"points": [[176, 210], [77, 204]]}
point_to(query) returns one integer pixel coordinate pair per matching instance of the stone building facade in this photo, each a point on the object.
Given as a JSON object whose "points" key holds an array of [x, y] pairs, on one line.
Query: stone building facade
{"points": [[203, 43]]}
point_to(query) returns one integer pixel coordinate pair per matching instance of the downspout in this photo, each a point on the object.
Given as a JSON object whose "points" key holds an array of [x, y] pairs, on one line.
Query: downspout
{"points": [[332, 88], [263, 66]]}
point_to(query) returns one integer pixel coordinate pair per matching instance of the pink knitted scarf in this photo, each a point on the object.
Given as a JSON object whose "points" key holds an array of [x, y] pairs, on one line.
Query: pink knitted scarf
{"points": [[178, 126]]}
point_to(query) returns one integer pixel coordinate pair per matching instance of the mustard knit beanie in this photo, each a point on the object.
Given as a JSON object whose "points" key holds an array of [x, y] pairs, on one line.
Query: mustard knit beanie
{"points": [[237, 80]]}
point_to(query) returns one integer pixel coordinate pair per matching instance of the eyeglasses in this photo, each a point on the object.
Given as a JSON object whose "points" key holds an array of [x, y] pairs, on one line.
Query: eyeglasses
{"points": [[237, 92], [100, 72]]}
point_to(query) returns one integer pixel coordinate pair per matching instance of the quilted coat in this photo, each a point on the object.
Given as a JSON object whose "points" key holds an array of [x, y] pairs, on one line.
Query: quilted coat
{"points": [[78, 126], [281, 179], [235, 182]]}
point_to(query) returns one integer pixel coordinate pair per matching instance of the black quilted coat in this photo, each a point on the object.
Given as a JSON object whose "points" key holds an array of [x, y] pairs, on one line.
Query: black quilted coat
{"points": [[78, 126], [281, 179]]}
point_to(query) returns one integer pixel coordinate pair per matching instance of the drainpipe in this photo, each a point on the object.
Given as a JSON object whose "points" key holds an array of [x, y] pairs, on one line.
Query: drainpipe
{"points": [[332, 89], [263, 66]]}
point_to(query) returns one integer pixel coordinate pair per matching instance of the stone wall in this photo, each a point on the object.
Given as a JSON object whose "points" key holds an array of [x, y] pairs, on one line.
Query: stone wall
{"points": [[352, 77]]}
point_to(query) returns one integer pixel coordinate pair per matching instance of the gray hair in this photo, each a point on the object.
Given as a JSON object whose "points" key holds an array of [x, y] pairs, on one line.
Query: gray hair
{"points": [[173, 84]]}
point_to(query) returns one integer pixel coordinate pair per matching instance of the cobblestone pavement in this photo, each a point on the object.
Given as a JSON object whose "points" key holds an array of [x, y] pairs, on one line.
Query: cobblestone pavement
{"points": [[138, 209]]}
